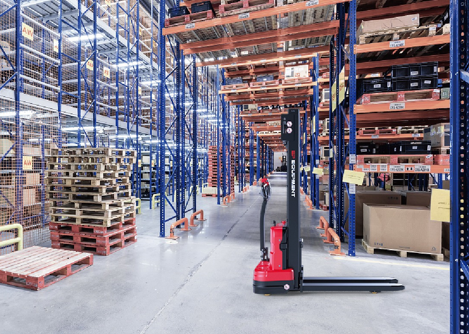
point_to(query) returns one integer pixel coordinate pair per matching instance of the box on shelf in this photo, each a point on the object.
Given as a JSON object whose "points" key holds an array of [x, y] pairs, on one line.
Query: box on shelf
{"points": [[370, 197], [145, 159], [438, 135], [300, 71], [5, 145], [416, 198], [401, 227], [406, 21]]}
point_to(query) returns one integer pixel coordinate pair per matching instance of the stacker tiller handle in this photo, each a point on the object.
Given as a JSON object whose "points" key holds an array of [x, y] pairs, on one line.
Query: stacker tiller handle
{"points": [[265, 194]]}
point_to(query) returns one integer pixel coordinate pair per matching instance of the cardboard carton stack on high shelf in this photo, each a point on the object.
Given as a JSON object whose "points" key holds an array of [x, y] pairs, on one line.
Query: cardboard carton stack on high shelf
{"points": [[92, 207]]}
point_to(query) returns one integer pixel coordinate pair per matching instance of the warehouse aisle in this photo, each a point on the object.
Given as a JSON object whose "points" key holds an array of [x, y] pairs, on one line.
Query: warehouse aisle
{"points": [[203, 284]]}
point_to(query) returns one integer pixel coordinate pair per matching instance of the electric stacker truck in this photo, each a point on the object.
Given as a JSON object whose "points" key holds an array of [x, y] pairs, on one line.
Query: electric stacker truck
{"points": [[283, 271]]}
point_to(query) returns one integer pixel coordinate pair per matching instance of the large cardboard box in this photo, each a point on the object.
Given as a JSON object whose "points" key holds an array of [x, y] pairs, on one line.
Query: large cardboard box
{"points": [[401, 227], [416, 198], [300, 71], [394, 23], [438, 135], [369, 197], [29, 196]]}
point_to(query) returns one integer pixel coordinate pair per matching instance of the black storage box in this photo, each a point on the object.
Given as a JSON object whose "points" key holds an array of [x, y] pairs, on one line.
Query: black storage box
{"points": [[377, 85], [412, 147], [178, 11], [366, 148], [203, 6], [384, 148]]}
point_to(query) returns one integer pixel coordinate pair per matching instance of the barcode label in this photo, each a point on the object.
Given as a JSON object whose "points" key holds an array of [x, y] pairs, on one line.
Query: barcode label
{"points": [[377, 86], [396, 44], [396, 168], [414, 84], [312, 3], [234, 90], [422, 168], [414, 73], [446, 170], [397, 106], [373, 168], [243, 16], [351, 189], [416, 135], [352, 159], [374, 136], [190, 25], [427, 82], [383, 168]]}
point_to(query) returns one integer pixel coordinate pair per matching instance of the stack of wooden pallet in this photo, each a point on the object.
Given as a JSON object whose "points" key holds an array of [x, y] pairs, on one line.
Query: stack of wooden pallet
{"points": [[92, 209], [213, 171]]}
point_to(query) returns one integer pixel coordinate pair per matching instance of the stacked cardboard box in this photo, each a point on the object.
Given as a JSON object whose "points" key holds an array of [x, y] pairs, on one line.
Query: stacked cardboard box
{"points": [[92, 208]]}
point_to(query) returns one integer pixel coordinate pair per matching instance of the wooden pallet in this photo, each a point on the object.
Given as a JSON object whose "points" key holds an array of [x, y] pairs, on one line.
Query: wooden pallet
{"points": [[376, 131], [108, 151], [395, 159], [116, 245], [82, 175], [91, 159], [411, 129], [293, 81], [264, 84], [244, 6], [403, 33], [104, 205], [90, 239], [90, 229], [235, 86], [36, 268], [190, 18], [402, 96], [402, 253]]}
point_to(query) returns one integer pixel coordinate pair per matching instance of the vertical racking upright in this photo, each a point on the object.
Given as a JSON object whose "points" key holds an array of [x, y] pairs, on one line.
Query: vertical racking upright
{"points": [[251, 155], [459, 183], [314, 148], [341, 115]]}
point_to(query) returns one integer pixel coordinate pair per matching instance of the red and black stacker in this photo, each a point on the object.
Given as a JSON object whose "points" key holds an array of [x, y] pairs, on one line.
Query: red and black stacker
{"points": [[282, 271]]}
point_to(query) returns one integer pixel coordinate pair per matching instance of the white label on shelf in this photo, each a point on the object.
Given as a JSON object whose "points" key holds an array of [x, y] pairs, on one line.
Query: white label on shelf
{"points": [[422, 168], [373, 168], [352, 159], [414, 147], [409, 168], [396, 44], [312, 3], [298, 84], [234, 90], [366, 169], [414, 73], [263, 60], [351, 188], [414, 84], [397, 106], [377, 86], [375, 75], [374, 136], [416, 135], [428, 156], [234, 64], [297, 56], [243, 16], [263, 87], [359, 166], [190, 25], [427, 82], [383, 168], [446, 170], [429, 147], [396, 168], [317, 162]]}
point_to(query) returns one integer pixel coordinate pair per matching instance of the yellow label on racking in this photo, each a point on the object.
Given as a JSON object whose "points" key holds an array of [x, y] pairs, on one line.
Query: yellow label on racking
{"points": [[28, 32], [318, 171], [89, 64], [56, 46], [27, 163], [106, 72], [440, 205], [354, 177]]}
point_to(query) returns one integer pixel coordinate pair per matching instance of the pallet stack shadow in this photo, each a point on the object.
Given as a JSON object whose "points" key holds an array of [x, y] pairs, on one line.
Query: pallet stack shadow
{"points": [[92, 209]]}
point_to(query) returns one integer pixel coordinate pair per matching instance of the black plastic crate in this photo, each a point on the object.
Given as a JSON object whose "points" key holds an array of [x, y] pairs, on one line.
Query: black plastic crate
{"points": [[398, 71], [400, 84], [376, 85], [429, 82], [383, 148], [201, 7], [178, 11], [429, 69]]}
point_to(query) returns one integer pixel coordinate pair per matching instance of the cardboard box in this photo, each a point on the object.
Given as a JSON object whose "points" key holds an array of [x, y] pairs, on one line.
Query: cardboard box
{"points": [[394, 23], [300, 71], [29, 196], [440, 135], [369, 197], [5, 145], [445, 184], [401, 227], [416, 198], [145, 159]]}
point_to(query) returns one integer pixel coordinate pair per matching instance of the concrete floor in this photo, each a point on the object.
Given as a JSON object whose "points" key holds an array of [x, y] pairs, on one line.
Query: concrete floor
{"points": [[203, 284]]}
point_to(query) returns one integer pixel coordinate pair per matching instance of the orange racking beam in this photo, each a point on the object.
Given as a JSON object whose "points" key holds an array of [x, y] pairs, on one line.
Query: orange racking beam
{"points": [[406, 106], [406, 43], [271, 36], [294, 7], [264, 88], [267, 58], [401, 61]]}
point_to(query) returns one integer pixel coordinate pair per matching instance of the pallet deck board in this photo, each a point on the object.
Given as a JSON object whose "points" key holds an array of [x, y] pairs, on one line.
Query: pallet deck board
{"points": [[402, 253], [33, 267]]}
